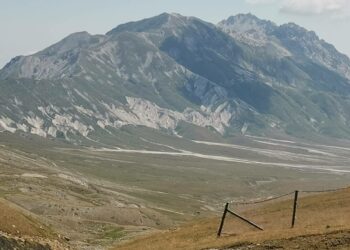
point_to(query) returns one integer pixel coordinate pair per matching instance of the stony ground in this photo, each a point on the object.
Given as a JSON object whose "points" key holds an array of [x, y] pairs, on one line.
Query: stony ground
{"points": [[334, 240], [10, 244]]}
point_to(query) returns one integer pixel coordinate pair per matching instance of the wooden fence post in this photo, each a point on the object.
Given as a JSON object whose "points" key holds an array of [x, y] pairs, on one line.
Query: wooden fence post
{"points": [[222, 220], [295, 207]]}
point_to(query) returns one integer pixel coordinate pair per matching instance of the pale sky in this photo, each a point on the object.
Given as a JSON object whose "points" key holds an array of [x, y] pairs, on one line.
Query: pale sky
{"points": [[27, 26]]}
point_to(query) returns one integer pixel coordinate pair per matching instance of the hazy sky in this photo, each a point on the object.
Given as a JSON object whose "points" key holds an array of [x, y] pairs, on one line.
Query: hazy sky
{"points": [[27, 26]]}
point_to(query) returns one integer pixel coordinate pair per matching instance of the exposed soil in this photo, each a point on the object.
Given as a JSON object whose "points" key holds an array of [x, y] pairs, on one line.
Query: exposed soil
{"points": [[335, 240]]}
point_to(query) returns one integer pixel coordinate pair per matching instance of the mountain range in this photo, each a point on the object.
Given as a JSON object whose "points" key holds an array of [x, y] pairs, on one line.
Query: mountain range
{"points": [[180, 75]]}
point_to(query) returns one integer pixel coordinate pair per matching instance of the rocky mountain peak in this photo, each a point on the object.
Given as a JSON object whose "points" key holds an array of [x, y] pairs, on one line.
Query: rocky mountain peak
{"points": [[57, 61], [247, 22], [287, 40], [72, 41], [151, 24], [248, 29], [294, 31]]}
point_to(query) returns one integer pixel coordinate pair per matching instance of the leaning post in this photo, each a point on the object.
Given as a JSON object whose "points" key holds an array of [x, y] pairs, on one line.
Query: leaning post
{"points": [[223, 220], [295, 207]]}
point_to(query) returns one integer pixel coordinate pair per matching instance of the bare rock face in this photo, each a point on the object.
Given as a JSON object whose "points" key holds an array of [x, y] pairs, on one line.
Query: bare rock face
{"points": [[244, 74], [288, 40]]}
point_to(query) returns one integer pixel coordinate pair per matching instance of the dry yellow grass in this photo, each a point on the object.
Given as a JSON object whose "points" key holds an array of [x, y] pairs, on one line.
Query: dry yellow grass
{"points": [[15, 222], [316, 214]]}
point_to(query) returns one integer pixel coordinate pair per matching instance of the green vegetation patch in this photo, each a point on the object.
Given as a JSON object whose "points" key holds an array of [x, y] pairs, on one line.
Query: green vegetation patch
{"points": [[114, 233]]}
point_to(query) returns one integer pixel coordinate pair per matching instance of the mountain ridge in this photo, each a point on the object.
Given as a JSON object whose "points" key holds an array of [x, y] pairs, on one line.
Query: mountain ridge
{"points": [[252, 77]]}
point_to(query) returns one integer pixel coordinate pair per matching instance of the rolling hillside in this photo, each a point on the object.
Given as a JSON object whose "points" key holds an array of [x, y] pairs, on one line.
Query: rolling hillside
{"points": [[22, 231], [322, 223]]}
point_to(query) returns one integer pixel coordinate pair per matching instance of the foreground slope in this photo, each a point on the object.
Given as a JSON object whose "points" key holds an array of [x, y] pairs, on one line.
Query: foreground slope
{"points": [[21, 230], [322, 223]]}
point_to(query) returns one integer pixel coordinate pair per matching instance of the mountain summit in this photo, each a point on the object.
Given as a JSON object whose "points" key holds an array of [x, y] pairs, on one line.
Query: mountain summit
{"points": [[174, 74]]}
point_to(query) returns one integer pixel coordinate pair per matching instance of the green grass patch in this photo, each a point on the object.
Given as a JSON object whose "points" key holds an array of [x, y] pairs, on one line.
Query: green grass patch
{"points": [[114, 233]]}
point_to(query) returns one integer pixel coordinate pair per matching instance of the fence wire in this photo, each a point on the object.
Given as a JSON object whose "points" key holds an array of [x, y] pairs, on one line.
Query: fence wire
{"points": [[304, 212], [261, 201], [323, 191], [284, 195]]}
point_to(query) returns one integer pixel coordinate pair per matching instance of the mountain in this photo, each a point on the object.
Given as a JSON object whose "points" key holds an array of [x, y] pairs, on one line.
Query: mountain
{"points": [[174, 74], [287, 40]]}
